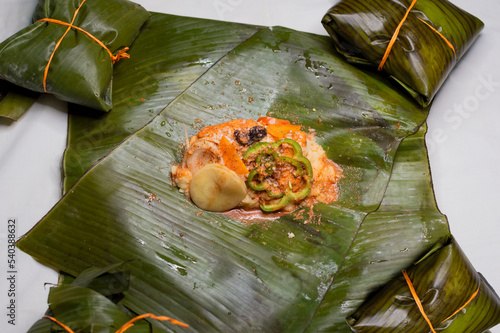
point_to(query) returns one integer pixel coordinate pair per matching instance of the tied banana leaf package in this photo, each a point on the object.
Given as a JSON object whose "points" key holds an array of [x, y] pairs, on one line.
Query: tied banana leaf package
{"points": [[417, 43], [441, 292], [70, 49]]}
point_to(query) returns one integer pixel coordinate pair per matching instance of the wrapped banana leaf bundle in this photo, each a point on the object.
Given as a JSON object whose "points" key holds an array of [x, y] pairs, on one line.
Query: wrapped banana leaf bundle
{"points": [[442, 291], [70, 49], [417, 43]]}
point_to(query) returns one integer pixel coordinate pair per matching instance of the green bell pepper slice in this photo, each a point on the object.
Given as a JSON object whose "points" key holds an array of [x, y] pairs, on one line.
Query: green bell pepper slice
{"points": [[267, 158]]}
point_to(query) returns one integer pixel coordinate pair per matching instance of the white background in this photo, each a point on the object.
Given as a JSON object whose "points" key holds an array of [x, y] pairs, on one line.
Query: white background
{"points": [[463, 141]]}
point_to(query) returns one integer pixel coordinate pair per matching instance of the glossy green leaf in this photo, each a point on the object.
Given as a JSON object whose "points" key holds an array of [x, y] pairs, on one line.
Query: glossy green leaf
{"points": [[30, 58], [147, 82], [86, 304], [421, 58], [15, 101], [453, 295], [405, 227], [207, 269]]}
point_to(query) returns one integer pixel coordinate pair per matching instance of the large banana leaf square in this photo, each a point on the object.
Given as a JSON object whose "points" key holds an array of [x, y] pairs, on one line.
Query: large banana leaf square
{"points": [[303, 271]]}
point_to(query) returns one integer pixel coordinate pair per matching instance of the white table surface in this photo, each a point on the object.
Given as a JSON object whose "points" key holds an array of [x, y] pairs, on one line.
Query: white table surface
{"points": [[463, 141]]}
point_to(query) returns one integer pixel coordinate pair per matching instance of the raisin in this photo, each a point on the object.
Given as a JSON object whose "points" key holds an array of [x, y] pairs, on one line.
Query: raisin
{"points": [[248, 138], [242, 137], [257, 133]]}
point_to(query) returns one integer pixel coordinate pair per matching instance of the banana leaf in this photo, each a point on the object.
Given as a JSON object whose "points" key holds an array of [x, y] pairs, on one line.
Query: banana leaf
{"points": [[154, 80], [144, 85], [15, 101], [78, 69], [358, 117], [207, 269], [89, 302], [405, 226], [433, 38], [453, 296]]}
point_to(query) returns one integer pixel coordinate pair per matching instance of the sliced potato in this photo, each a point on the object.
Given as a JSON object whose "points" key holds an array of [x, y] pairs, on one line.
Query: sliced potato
{"points": [[216, 188]]}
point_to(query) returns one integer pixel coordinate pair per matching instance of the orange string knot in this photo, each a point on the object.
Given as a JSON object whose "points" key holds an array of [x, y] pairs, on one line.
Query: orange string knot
{"points": [[122, 54]]}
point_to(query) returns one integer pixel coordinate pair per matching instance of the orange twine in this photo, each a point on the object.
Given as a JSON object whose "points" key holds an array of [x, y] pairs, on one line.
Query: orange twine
{"points": [[396, 33], [128, 324], [441, 35], [421, 308], [395, 36], [120, 55], [417, 300], [69, 330], [466, 303]]}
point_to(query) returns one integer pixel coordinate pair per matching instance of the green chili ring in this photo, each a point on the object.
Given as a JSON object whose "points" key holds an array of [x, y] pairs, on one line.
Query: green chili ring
{"points": [[301, 164], [262, 147], [262, 186], [289, 195]]}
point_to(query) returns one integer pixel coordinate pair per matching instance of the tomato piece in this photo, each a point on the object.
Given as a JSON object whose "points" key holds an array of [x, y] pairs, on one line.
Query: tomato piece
{"points": [[280, 130], [272, 121]]}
